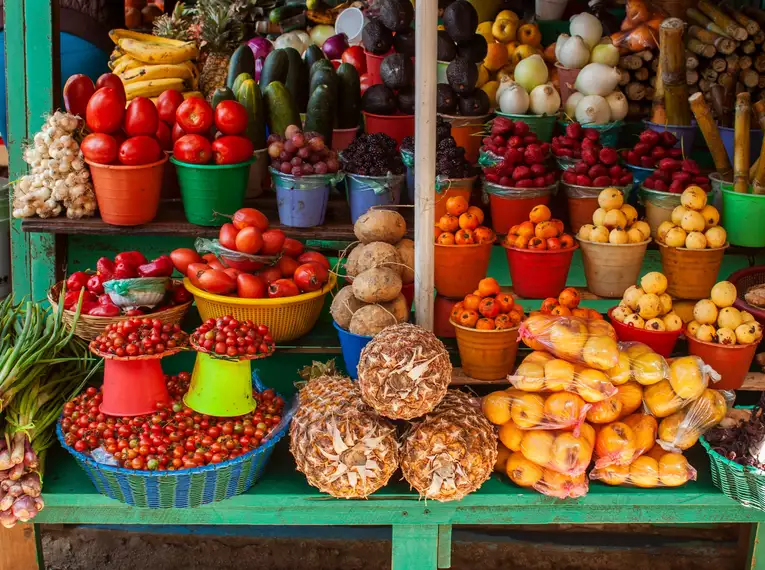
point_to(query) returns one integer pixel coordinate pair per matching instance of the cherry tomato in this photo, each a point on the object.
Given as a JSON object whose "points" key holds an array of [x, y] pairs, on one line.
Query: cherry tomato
{"points": [[251, 286], [217, 282], [227, 236], [355, 56], [112, 81], [194, 149], [140, 150], [306, 278], [183, 257], [292, 247], [167, 103], [99, 148], [141, 118], [273, 241], [231, 117], [78, 90], [249, 240], [232, 149], [314, 256], [283, 288], [195, 115], [164, 136], [245, 217], [105, 111]]}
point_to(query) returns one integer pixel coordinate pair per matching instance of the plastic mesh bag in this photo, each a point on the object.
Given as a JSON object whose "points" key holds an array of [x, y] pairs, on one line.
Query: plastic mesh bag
{"points": [[242, 261], [681, 430], [621, 442], [526, 473], [561, 410], [686, 381], [138, 292], [560, 451], [656, 468]]}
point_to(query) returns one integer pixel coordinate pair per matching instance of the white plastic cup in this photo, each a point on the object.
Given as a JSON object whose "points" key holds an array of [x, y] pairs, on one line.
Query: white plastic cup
{"points": [[351, 22]]}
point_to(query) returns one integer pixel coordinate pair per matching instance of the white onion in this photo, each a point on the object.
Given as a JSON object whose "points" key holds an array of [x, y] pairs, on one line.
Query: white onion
{"points": [[587, 26], [618, 105], [531, 72], [544, 100], [514, 100], [594, 110], [597, 79], [605, 53], [570, 107], [504, 84], [559, 43], [575, 53]]}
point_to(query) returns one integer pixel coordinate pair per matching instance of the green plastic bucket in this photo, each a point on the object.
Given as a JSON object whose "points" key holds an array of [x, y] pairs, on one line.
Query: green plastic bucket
{"points": [[742, 217], [541, 125], [211, 192]]}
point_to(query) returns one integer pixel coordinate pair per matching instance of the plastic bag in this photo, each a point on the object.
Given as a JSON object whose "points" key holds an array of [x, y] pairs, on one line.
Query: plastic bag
{"points": [[656, 468], [556, 411], [490, 188], [307, 182], [390, 183], [407, 157], [621, 442], [526, 473], [560, 451], [681, 430], [574, 191], [138, 292], [686, 381], [486, 158], [242, 261]]}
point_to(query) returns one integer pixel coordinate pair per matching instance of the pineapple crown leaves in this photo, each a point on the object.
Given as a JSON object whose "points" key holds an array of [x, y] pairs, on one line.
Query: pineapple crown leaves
{"points": [[318, 369], [176, 25], [222, 23]]}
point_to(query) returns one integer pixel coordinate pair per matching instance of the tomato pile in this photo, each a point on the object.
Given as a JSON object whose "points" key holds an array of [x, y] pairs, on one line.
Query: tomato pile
{"points": [[227, 336], [174, 437], [139, 337], [540, 231], [301, 154], [567, 305], [125, 265], [461, 224], [487, 308]]}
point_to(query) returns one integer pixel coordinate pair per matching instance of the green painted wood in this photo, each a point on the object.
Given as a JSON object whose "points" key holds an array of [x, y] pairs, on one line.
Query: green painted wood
{"points": [[444, 546], [756, 557], [415, 547]]}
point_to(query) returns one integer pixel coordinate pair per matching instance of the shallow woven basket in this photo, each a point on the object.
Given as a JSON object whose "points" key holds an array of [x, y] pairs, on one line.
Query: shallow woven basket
{"points": [[89, 327], [185, 488]]}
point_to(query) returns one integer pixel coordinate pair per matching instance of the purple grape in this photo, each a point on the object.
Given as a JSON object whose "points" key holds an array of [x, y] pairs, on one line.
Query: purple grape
{"points": [[285, 168], [320, 168]]}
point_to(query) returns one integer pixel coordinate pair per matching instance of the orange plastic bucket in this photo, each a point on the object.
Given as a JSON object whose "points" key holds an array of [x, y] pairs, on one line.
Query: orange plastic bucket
{"points": [[731, 362], [127, 195], [467, 132], [459, 268], [373, 67], [512, 206], [450, 188], [442, 315], [133, 387], [691, 273], [539, 273], [487, 355], [395, 126]]}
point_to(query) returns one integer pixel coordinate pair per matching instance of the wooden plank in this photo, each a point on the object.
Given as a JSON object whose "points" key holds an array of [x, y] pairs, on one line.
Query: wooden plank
{"points": [[754, 381], [756, 558], [20, 548], [415, 547]]}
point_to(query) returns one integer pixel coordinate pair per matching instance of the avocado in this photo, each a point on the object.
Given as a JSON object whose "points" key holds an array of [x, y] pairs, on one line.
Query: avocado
{"points": [[377, 39], [477, 103], [475, 50], [460, 20], [446, 100], [403, 42], [396, 15], [446, 50], [405, 100], [462, 75], [379, 100], [443, 4], [397, 71]]}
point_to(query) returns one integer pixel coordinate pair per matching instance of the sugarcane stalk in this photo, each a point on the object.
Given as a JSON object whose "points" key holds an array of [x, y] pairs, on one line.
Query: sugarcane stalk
{"points": [[705, 85], [649, 93], [709, 74], [748, 47], [759, 62], [741, 143], [732, 61], [672, 56], [723, 44], [717, 100], [701, 48], [758, 178], [645, 55], [658, 113], [630, 62], [759, 37], [711, 133], [691, 61], [728, 81], [635, 91], [625, 77], [694, 89], [749, 77], [755, 14], [744, 62], [718, 64], [729, 26], [702, 20], [748, 23], [641, 74]]}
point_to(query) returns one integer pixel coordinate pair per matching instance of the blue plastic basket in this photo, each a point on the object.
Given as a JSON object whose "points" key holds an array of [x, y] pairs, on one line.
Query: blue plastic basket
{"points": [[186, 488]]}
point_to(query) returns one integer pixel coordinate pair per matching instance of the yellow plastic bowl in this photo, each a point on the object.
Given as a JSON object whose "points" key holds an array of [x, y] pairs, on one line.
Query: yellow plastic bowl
{"points": [[287, 318]]}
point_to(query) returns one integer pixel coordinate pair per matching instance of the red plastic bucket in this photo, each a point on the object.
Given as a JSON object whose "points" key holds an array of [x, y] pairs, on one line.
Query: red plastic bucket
{"points": [[373, 67], [442, 311], [341, 138], [133, 387], [512, 206], [661, 342], [407, 290], [731, 362], [457, 269], [395, 126], [539, 273]]}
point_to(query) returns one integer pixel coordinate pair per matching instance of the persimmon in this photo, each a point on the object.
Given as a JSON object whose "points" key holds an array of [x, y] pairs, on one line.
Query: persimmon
{"points": [[445, 238], [464, 237], [540, 213], [580, 313], [570, 298], [437, 232], [456, 310], [548, 305], [503, 322], [561, 311], [485, 324], [505, 302], [526, 229], [471, 302], [566, 241], [477, 212], [553, 243], [546, 230], [514, 230], [488, 286], [558, 224], [456, 205], [515, 317], [488, 307], [522, 242], [468, 318], [537, 243], [468, 221], [449, 223], [482, 234]]}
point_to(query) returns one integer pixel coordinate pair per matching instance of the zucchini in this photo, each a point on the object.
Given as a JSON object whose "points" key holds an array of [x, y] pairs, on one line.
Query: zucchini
{"points": [[348, 97], [312, 54], [297, 79], [281, 111], [324, 76], [320, 116], [274, 68], [222, 94], [241, 78], [320, 64], [242, 61], [249, 96], [278, 15]]}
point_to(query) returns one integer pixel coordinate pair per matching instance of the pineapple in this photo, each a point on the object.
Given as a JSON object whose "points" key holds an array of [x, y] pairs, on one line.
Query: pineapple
{"points": [[220, 33], [404, 372], [176, 26], [338, 442], [452, 451]]}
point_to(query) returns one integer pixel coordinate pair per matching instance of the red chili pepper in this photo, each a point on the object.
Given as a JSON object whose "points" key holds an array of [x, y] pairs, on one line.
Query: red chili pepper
{"points": [[105, 299], [70, 299], [105, 268], [77, 281], [104, 311], [181, 295], [96, 284], [124, 271], [134, 312], [131, 258], [160, 267]]}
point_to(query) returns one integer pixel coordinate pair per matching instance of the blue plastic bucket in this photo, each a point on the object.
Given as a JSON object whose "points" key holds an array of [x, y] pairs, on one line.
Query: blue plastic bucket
{"points": [[639, 174], [302, 200], [755, 143], [351, 345], [685, 134], [365, 192]]}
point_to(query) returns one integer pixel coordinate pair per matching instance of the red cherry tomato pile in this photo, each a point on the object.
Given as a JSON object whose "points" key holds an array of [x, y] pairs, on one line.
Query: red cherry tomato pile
{"points": [[523, 154], [174, 437], [126, 265], [229, 337], [301, 154], [195, 125], [139, 337]]}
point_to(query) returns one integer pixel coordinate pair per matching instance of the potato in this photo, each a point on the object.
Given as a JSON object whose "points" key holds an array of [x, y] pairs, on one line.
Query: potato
{"points": [[344, 305], [370, 320], [399, 308], [377, 285], [380, 225], [405, 250], [379, 254], [351, 262]]}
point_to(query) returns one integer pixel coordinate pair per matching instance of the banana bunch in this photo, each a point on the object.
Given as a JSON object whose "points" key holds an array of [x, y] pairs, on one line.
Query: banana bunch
{"points": [[149, 65]]}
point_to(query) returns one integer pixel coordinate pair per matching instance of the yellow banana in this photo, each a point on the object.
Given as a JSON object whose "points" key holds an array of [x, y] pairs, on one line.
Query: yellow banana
{"points": [[120, 34], [158, 53], [146, 72], [154, 87], [126, 63], [116, 54], [186, 95]]}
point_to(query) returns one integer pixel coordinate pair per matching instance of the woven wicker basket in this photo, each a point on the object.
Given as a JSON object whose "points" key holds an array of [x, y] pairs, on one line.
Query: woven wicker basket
{"points": [[89, 327]]}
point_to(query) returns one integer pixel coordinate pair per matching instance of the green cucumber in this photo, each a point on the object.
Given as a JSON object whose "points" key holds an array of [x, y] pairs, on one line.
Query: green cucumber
{"points": [[278, 15], [281, 111], [275, 68], [297, 79], [320, 64], [242, 61], [241, 78], [320, 115], [312, 54], [222, 94], [348, 97], [249, 96], [324, 76]]}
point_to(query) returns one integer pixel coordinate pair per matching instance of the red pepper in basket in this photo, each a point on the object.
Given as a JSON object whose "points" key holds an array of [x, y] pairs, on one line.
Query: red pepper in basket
{"points": [[131, 258], [181, 295], [105, 268], [124, 271], [76, 281], [105, 299], [96, 284], [104, 311], [134, 312], [160, 267], [70, 299]]}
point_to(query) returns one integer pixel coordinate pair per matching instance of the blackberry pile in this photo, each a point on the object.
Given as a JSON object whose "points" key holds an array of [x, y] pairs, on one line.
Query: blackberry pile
{"points": [[443, 131], [372, 155], [450, 160]]}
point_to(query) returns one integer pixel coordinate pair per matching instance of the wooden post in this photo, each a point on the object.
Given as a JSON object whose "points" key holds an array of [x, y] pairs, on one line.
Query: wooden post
{"points": [[711, 133], [672, 57], [741, 143], [426, 22], [20, 548]]}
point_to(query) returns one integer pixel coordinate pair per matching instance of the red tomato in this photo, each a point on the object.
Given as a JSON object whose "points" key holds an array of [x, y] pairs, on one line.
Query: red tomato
{"points": [[104, 111], [283, 288], [251, 286], [365, 82], [164, 136], [113, 82], [178, 132], [227, 236], [232, 149], [216, 281], [77, 92], [193, 270], [195, 115], [321, 272], [314, 256], [249, 240], [292, 247], [355, 56], [167, 103], [119, 137], [141, 117], [212, 260], [231, 117], [99, 148], [245, 217], [271, 274], [183, 257], [287, 266], [273, 241], [231, 272], [194, 149], [140, 150], [306, 278]]}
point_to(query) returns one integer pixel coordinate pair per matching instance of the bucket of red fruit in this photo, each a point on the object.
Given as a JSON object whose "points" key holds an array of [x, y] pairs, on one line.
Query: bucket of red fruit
{"points": [[398, 126], [643, 158], [608, 133], [540, 125], [510, 206], [683, 135]]}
